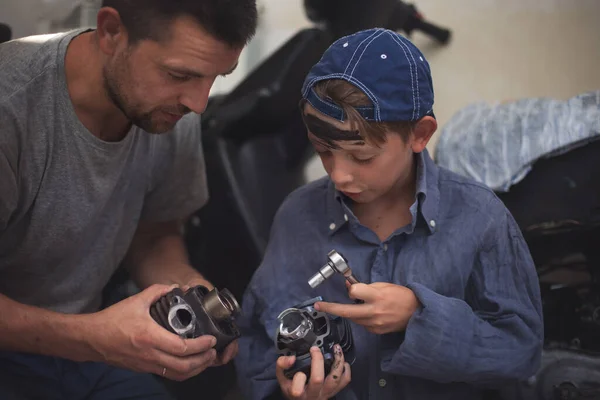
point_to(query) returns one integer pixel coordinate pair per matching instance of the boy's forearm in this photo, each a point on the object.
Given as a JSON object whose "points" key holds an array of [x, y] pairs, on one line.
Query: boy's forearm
{"points": [[29, 329], [447, 342]]}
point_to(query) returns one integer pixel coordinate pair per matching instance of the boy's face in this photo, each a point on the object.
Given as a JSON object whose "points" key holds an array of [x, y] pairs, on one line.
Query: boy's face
{"points": [[362, 171]]}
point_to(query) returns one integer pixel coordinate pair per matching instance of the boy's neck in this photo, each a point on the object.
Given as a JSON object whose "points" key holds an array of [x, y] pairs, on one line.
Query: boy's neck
{"points": [[391, 211]]}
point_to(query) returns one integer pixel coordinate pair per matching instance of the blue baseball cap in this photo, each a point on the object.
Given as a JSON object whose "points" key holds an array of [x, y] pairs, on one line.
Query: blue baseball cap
{"points": [[386, 66]]}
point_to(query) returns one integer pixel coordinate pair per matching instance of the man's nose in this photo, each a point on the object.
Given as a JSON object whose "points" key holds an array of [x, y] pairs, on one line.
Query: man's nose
{"points": [[196, 96]]}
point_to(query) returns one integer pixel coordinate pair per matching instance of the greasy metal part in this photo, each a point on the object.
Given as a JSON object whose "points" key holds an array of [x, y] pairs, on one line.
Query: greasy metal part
{"points": [[220, 305], [337, 263], [294, 324], [199, 311], [182, 318], [302, 326]]}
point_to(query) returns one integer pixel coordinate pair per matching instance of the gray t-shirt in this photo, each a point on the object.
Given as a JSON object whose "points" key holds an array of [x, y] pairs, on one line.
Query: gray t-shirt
{"points": [[70, 202]]}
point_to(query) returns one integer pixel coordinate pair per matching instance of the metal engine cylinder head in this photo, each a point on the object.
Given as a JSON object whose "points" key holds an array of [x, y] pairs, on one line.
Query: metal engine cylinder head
{"points": [[199, 311], [221, 304]]}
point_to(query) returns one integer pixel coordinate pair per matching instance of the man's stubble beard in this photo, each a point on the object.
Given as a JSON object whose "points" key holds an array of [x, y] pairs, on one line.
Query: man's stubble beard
{"points": [[116, 92]]}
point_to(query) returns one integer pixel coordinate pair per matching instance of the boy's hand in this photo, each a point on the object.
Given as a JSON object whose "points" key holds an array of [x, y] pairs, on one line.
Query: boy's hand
{"points": [[319, 387], [387, 307]]}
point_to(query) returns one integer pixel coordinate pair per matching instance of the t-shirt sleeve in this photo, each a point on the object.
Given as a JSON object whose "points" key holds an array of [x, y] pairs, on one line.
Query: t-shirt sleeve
{"points": [[179, 174]]}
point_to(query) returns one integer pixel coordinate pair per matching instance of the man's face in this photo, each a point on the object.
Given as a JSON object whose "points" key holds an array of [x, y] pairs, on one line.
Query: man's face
{"points": [[364, 172], [156, 83]]}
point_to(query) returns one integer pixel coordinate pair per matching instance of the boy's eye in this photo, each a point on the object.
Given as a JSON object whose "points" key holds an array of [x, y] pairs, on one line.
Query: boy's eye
{"points": [[362, 160]]}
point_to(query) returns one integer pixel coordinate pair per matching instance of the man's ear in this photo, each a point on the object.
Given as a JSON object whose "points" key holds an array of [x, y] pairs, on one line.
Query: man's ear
{"points": [[110, 30], [422, 133]]}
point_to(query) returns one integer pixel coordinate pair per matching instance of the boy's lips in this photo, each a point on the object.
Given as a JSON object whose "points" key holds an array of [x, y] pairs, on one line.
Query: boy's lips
{"points": [[351, 194]]}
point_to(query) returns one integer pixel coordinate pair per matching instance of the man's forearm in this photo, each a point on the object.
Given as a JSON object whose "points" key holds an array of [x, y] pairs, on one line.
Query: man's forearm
{"points": [[29, 329], [158, 255]]}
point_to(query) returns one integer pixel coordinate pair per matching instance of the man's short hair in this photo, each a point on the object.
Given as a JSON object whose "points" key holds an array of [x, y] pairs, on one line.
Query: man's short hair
{"points": [[230, 21]]}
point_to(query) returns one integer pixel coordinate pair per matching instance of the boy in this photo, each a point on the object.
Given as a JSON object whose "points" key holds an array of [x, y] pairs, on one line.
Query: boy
{"points": [[451, 296]]}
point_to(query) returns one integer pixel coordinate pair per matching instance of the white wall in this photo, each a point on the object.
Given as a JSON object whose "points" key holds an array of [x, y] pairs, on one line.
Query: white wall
{"points": [[501, 49], [31, 17], [20, 15]]}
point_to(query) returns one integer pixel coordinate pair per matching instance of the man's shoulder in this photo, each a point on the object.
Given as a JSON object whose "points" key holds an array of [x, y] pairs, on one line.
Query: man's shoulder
{"points": [[25, 59]]}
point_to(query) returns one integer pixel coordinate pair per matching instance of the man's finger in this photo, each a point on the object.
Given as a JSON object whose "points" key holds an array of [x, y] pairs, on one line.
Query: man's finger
{"points": [[152, 293], [228, 354], [350, 311], [184, 367], [173, 344]]}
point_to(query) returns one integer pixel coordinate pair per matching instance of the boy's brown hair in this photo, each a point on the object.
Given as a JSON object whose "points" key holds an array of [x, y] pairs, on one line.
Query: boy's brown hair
{"points": [[349, 97]]}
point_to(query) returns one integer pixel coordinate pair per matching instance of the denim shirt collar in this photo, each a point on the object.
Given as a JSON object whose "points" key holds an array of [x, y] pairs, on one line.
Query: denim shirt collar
{"points": [[426, 202]]}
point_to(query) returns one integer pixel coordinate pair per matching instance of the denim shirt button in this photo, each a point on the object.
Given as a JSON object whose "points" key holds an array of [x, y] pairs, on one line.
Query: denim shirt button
{"points": [[382, 383], [432, 223], [346, 217], [332, 226], [385, 247]]}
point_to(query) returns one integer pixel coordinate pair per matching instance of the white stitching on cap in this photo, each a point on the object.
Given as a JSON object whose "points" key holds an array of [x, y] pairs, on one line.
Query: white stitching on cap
{"points": [[363, 52], [404, 49], [418, 111], [355, 50], [416, 81]]}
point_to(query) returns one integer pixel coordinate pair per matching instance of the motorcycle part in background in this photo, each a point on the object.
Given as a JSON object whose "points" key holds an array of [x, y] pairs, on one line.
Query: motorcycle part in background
{"points": [[260, 116], [5, 33], [565, 374], [198, 312], [407, 18], [344, 17], [337, 263], [301, 327]]}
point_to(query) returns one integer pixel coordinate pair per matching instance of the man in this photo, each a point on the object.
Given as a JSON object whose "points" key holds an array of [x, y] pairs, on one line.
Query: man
{"points": [[100, 161]]}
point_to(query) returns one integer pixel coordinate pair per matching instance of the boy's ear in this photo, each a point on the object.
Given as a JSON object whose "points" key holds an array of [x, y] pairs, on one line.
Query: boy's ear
{"points": [[422, 132]]}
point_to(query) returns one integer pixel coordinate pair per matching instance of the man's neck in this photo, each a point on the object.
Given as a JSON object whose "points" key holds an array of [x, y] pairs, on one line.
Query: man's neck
{"points": [[93, 107]]}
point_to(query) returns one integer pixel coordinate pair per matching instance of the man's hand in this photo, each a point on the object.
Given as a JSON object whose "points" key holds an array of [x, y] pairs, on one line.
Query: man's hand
{"points": [[126, 336], [319, 387], [197, 281], [387, 307], [227, 355], [232, 348]]}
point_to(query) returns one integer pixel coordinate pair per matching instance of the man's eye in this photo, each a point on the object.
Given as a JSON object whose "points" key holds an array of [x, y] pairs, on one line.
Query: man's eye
{"points": [[179, 78]]}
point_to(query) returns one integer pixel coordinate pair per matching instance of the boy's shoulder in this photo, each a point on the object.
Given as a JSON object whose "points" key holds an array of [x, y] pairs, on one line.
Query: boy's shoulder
{"points": [[309, 198], [471, 203], [454, 187]]}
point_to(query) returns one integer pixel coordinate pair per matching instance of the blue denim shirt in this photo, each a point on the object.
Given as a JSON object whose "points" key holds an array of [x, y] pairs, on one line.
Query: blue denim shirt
{"points": [[463, 255]]}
